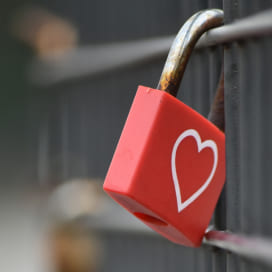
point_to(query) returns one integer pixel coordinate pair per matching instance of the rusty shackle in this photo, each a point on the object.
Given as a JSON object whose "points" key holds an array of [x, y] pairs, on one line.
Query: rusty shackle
{"points": [[183, 46]]}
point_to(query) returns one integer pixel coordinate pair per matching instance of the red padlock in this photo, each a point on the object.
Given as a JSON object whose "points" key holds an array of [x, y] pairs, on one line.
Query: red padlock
{"points": [[169, 166]]}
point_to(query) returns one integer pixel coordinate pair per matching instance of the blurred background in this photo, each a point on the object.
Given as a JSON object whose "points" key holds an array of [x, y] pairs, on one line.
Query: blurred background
{"points": [[68, 73]]}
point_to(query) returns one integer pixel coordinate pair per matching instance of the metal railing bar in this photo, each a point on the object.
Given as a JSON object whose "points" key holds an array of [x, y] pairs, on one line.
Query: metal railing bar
{"points": [[115, 219], [257, 25], [258, 249], [94, 60], [110, 217]]}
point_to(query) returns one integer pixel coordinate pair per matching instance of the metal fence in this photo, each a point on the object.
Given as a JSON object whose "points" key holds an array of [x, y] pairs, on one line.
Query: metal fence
{"points": [[74, 125]]}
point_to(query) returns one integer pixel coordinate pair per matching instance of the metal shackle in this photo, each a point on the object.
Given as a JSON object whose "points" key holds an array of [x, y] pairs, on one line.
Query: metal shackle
{"points": [[183, 46]]}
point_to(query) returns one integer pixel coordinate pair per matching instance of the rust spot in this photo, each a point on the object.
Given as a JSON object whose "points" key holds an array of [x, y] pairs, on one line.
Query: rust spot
{"points": [[183, 46]]}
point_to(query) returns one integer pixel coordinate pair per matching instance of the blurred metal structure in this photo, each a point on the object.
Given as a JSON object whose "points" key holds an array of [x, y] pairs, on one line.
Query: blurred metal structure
{"points": [[74, 126], [92, 60]]}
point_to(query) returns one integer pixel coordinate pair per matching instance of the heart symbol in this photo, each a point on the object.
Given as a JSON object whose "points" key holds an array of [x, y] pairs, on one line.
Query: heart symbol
{"points": [[200, 146]]}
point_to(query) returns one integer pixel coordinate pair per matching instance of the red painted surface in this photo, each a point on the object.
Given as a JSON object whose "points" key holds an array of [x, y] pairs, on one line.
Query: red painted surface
{"points": [[141, 175]]}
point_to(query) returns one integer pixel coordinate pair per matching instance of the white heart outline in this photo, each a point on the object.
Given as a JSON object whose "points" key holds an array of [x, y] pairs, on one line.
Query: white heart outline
{"points": [[200, 145]]}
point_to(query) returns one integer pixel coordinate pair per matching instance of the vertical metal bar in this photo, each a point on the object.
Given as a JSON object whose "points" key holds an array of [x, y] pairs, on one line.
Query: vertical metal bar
{"points": [[232, 123], [266, 134], [232, 100], [64, 134], [215, 68], [254, 103], [246, 97]]}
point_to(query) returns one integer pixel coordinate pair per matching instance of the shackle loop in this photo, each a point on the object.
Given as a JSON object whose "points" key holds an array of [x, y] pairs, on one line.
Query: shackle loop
{"points": [[183, 46]]}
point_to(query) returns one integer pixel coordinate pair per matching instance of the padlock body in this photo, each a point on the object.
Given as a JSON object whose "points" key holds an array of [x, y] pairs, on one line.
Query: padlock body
{"points": [[169, 167]]}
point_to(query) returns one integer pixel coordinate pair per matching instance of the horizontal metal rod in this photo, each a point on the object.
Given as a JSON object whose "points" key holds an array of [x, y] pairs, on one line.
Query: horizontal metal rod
{"points": [[115, 219], [104, 215], [257, 25], [258, 249], [255, 249], [90, 61], [93, 60]]}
